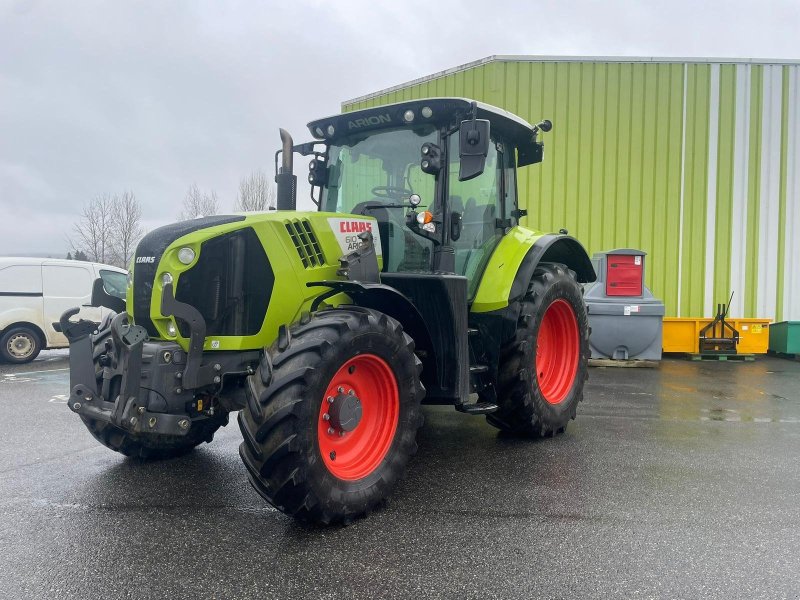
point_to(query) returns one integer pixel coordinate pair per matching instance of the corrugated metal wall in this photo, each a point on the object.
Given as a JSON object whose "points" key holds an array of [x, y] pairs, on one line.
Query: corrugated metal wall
{"points": [[695, 162]]}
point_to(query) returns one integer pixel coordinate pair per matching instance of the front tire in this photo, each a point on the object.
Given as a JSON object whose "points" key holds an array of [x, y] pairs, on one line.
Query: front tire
{"points": [[20, 345], [332, 415], [543, 368]]}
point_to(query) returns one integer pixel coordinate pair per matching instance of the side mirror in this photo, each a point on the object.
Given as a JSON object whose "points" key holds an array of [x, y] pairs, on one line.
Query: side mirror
{"points": [[100, 297], [473, 146]]}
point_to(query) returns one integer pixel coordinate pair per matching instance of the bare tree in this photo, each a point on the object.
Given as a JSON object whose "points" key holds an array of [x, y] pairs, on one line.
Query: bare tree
{"points": [[108, 229], [92, 232], [126, 227], [256, 192], [197, 203]]}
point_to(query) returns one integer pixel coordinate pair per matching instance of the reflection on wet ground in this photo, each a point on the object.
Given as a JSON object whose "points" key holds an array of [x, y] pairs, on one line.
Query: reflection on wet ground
{"points": [[764, 391]]}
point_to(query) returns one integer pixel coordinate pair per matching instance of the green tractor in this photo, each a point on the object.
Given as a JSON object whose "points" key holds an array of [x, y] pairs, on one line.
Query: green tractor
{"points": [[413, 283]]}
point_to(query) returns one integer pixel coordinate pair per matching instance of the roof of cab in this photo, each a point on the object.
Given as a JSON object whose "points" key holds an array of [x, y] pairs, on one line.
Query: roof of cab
{"points": [[442, 110]]}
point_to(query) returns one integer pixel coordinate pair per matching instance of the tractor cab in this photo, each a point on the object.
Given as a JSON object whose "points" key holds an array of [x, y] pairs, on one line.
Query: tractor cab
{"points": [[438, 175]]}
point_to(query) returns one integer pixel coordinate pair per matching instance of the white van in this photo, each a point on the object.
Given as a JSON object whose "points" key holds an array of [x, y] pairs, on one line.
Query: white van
{"points": [[35, 292]]}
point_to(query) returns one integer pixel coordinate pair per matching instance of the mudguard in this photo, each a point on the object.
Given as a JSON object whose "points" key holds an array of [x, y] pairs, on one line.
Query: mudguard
{"points": [[513, 262]]}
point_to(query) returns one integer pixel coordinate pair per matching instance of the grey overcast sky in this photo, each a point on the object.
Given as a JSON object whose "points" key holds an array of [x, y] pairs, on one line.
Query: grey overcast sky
{"points": [[152, 96]]}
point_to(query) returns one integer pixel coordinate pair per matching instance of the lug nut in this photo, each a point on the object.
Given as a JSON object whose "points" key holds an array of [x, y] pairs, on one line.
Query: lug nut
{"points": [[330, 399], [351, 393], [167, 357], [218, 367], [77, 406], [333, 455], [326, 417], [330, 431], [341, 434], [152, 422], [178, 375], [183, 424], [140, 410], [341, 390], [133, 421], [217, 379]]}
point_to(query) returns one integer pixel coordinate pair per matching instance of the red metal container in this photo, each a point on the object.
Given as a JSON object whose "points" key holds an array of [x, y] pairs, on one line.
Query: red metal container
{"points": [[625, 274]]}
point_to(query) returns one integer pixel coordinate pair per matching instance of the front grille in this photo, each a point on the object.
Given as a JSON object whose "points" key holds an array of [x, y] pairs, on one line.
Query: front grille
{"points": [[230, 284], [148, 255], [305, 242]]}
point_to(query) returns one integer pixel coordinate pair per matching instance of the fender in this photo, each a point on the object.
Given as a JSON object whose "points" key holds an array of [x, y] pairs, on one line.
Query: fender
{"points": [[559, 248], [514, 260], [388, 300]]}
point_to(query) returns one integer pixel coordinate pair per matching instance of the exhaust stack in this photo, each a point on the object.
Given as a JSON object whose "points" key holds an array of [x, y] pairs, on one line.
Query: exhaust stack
{"points": [[285, 178]]}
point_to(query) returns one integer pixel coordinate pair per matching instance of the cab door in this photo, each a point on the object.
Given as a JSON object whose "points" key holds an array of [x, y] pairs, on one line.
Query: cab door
{"points": [[479, 203]]}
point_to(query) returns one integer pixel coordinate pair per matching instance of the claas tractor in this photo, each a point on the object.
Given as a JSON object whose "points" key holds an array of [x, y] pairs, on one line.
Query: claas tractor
{"points": [[326, 330]]}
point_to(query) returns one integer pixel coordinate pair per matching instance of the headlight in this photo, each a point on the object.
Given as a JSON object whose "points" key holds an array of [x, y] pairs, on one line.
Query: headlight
{"points": [[186, 255]]}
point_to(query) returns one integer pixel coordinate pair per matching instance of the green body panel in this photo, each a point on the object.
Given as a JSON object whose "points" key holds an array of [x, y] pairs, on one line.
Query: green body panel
{"points": [[498, 277], [290, 296]]}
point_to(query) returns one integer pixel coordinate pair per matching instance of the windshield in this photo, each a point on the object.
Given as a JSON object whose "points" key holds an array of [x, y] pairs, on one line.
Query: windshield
{"points": [[378, 168], [374, 175]]}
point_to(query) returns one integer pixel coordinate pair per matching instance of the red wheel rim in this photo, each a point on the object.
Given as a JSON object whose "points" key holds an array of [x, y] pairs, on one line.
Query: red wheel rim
{"points": [[557, 351], [352, 455]]}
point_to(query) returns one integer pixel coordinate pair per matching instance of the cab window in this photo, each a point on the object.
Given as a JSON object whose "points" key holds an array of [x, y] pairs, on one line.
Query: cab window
{"points": [[374, 175]]}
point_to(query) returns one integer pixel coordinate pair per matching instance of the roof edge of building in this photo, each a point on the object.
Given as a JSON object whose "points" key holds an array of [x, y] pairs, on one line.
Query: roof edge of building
{"points": [[535, 58]]}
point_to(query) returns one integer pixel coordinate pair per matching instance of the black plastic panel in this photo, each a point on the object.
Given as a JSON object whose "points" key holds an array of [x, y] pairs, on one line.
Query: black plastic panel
{"points": [[230, 284], [441, 299]]}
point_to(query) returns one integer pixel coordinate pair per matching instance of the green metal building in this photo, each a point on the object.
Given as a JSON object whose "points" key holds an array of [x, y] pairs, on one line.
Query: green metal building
{"points": [[695, 161]]}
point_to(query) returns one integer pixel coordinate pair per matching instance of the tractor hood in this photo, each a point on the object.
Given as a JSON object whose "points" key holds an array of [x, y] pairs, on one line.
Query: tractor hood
{"points": [[245, 274]]}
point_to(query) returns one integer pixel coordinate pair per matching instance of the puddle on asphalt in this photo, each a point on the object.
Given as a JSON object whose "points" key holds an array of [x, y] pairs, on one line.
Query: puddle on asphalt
{"points": [[718, 392]]}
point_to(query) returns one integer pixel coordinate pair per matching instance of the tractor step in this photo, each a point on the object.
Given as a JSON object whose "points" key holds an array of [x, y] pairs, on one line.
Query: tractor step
{"points": [[472, 331], [479, 408], [475, 369]]}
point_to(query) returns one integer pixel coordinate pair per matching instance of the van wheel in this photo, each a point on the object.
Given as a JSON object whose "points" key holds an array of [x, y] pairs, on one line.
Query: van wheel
{"points": [[20, 345]]}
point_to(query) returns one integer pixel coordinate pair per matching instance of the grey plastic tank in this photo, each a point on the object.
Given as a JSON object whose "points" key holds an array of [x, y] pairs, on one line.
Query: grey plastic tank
{"points": [[625, 318]]}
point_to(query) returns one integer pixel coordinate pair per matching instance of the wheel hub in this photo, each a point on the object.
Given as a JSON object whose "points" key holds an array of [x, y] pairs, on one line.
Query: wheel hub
{"points": [[20, 346], [345, 412], [358, 417]]}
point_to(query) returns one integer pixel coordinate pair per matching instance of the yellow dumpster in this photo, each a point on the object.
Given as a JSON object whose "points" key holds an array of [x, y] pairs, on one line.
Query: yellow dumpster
{"points": [[681, 334]]}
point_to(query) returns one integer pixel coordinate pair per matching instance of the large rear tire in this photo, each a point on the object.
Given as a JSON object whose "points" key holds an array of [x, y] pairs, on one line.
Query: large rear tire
{"points": [[332, 415], [543, 368], [144, 446]]}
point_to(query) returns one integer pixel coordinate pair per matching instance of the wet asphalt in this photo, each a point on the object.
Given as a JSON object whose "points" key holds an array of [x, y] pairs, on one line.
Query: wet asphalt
{"points": [[677, 482]]}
